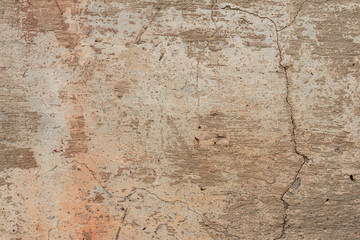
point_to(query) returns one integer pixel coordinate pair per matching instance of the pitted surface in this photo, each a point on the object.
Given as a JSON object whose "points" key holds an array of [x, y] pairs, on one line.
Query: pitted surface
{"points": [[178, 119]]}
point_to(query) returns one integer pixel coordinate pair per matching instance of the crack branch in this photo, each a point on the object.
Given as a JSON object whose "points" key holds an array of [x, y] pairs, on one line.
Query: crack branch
{"points": [[296, 15], [170, 202], [225, 232], [203, 220], [228, 7]]}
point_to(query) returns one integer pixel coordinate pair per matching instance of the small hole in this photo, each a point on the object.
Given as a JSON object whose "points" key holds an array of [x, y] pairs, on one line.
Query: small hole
{"points": [[327, 199], [351, 178]]}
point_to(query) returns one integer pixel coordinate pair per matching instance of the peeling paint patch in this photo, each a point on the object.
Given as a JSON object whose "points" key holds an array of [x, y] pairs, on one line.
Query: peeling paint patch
{"points": [[13, 157]]}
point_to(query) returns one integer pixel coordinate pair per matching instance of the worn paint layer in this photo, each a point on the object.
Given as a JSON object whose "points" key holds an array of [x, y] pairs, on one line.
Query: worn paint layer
{"points": [[179, 119]]}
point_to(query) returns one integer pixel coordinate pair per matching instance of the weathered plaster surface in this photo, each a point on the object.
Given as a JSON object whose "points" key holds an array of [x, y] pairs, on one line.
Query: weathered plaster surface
{"points": [[179, 119]]}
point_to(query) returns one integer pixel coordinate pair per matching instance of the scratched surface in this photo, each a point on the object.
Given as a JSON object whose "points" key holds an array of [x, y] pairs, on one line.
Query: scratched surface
{"points": [[179, 119]]}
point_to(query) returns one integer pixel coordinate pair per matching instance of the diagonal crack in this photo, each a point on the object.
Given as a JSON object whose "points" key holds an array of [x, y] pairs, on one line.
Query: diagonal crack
{"points": [[58, 7], [305, 159], [118, 233], [92, 174], [296, 15], [143, 30]]}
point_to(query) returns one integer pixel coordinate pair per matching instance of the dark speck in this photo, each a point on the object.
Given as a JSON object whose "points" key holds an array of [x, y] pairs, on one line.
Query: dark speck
{"points": [[352, 178], [161, 56]]}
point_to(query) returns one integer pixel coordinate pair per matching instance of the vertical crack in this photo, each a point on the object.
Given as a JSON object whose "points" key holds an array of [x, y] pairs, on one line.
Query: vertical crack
{"points": [[305, 158], [285, 68]]}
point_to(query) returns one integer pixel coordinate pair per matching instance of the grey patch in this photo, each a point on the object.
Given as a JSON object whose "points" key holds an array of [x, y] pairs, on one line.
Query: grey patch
{"points": [[296, 184]]}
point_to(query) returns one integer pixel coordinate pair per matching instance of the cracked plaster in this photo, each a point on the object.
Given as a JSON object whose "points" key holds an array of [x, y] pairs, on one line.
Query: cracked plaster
{"points": [[179, 119]]}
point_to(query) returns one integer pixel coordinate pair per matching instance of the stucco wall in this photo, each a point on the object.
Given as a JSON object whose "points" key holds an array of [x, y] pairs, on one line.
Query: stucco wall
{"points": [[179, 119]]}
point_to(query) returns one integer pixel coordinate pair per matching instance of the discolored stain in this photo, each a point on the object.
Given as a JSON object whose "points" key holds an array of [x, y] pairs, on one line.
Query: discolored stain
{"points": [[18, 125], [12, 157], [43, 16], [329, 41], [187, 133], [198, 163], [121, 88], [77, 143], [196, 35], [87, 235], [3, 182], [98, 198], [13, 123]]}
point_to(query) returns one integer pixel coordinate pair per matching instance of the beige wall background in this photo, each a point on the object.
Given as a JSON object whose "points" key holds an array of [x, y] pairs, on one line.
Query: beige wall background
{"points": [[179, 119]]}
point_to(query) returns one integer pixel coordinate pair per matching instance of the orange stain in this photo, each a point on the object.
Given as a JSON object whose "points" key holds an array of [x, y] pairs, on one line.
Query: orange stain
{"points": [[88, 219]]}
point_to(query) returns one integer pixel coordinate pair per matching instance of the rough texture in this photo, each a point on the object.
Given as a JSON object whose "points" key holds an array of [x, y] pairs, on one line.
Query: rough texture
{"points": [[179, 119]]}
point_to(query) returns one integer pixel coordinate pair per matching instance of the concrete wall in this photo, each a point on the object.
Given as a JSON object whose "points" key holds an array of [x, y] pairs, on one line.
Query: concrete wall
{"points": [[179, 119]]}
